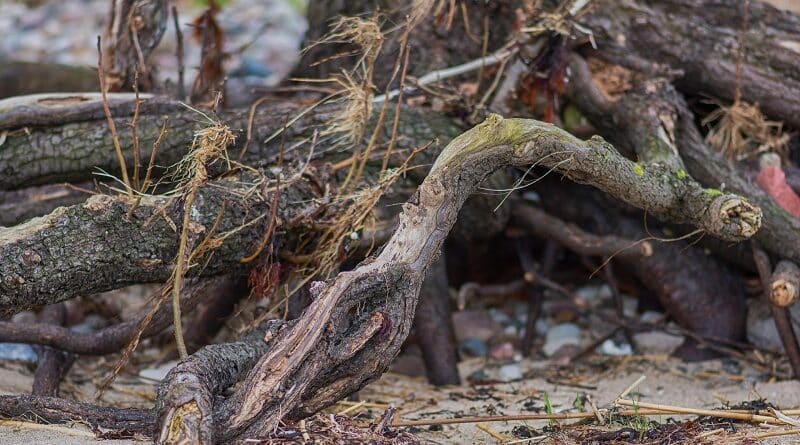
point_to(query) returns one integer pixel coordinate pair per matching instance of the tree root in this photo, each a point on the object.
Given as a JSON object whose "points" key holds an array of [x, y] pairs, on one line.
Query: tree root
{"points": [[113, 338], [56, 410]]}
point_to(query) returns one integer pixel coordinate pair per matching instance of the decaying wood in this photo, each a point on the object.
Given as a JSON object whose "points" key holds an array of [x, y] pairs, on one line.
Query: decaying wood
{"points": [[56, 410], [120, 253], [55, 138], [707, 298], [134, 30], [785, 284], [780, 315], [653, 115]]}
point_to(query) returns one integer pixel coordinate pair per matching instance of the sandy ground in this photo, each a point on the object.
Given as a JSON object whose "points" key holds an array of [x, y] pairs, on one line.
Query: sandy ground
{"points": [[668, 381]]}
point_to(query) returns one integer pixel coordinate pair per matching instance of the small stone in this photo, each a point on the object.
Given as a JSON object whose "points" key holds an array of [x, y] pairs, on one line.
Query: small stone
{"points": [[475, 324], [609, 347], [18, 352], [561, 335], [652, 317], [474, 347], [158, 373], [502, 352], [657, 342], [509, 373], [523, 432]]}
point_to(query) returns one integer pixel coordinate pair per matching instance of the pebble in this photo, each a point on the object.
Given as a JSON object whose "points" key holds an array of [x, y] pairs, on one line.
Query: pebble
{"points": [[652, 317], [561, 335], [509, 373], [761, 330], [593, 295], [502, 352], [475, 324], [158, 373], [18, 352], [474, 347], [610, 347], [656, 342]]}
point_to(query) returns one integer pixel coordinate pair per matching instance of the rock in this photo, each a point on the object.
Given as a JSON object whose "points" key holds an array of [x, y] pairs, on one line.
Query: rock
{"points": [[499, 317], [656, 342], [474, 347], [761, 329], [610, 347], [502, 352], [409, 364], [592, 296], [475, 324], [158, 373], [509, 373], [17, 352], [652, 317], [561, 335]]}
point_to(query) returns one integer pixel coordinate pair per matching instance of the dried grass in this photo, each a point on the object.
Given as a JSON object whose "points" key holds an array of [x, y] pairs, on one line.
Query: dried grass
{"points": [[741, 131]]}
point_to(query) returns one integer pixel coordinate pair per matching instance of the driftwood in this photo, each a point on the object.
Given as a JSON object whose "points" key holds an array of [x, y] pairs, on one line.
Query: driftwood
{"points": [[357, 321]]}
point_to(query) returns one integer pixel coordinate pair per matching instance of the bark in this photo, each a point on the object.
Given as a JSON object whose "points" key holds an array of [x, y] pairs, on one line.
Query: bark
{"points": [[100, 245], [57, 138], [187, 396], [700, 39], [55, 410], [653, 115], [52, 364], [21, 205]]}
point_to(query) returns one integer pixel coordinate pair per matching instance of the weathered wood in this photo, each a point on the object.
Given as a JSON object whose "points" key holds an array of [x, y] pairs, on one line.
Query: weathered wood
{"points": [[654, 115], [700, 39]]}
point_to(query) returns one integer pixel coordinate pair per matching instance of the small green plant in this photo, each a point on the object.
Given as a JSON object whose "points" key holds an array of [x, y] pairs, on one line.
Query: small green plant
{"points": [[580, 401], [548, 408]]}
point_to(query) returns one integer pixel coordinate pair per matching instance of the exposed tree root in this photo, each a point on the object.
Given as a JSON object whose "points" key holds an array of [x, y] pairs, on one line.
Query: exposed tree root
{"points": [[113, 338], [56, 410]]}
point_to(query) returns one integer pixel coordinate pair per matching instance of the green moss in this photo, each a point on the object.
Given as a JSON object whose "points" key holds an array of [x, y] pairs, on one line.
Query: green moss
{"points": [[681, 174], [713, 193], [638, 169]]}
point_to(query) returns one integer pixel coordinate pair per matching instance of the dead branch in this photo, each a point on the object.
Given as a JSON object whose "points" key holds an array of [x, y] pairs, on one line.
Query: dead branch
{"points": [[56, 410], [134, 30], [53, 363], [785, 284], [433, 325], [653, 114], [64, 137]]}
